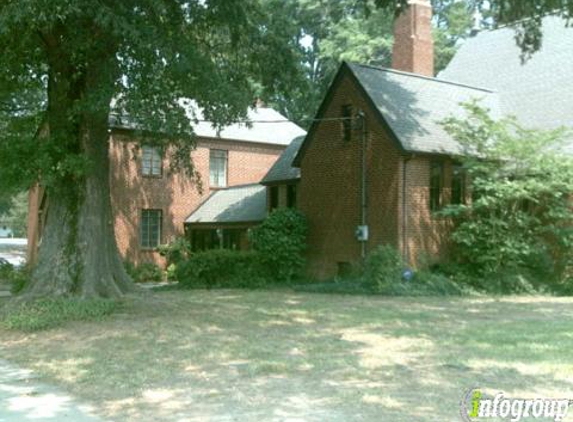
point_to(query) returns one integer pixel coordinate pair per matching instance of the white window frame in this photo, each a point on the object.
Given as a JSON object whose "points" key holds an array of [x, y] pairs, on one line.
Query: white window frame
{"points": [[151, 161], [218, 168]]}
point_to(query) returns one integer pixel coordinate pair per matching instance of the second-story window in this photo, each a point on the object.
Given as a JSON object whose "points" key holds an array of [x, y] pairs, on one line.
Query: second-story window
{"points": [[346, 114], [436, 183], [218, 168], [151, 161]]}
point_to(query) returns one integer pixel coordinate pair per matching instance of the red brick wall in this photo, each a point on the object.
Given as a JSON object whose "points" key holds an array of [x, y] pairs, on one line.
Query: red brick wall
{"points": [[426, 233], [331, 181], [331, 184], [175, 194], [413, 43]]}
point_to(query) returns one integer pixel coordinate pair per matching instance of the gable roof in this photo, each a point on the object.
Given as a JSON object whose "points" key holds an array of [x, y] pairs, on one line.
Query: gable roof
{"points": [[237, 204], [539, 91], [410, 106], [267, 126], [414, 105], [283, 169], [487, 67]]}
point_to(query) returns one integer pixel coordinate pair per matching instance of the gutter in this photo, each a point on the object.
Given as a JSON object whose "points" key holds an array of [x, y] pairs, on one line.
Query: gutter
{"points": [[405, 252], [364, 185]]}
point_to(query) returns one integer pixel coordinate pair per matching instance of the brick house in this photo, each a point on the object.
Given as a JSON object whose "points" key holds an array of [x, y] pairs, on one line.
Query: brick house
{"points": [[226, 215], [376, 164], [374, 167], [150, 203]]}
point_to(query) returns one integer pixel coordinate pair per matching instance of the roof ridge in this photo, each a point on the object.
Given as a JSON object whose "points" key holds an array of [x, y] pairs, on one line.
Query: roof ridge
{"points": [[429, 78]]}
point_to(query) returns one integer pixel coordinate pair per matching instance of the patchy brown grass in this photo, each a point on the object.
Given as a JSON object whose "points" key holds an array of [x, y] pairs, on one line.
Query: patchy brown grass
{"points": [[266, 356]]}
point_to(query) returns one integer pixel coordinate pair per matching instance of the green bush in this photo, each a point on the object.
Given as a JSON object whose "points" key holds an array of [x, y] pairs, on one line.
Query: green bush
{"points": [[6, 270], [16, 277], [171, 272], [146, 272], [280, 242], [425, 283], [383, 268], [382, 274], [221, 268], [43, 314], [177, 251], [519, 220]]}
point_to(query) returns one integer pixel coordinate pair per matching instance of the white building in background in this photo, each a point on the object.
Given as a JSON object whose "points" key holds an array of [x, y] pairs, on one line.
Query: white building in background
{"points": [[5, 230]]}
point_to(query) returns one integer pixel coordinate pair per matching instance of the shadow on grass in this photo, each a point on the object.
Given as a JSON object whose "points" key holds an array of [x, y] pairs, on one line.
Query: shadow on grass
{"points": [[251, 355]]}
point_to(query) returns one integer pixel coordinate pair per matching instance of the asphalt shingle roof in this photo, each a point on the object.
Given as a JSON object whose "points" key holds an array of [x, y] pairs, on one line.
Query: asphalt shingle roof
{"points": [[539, 91], [267, 126], [283, 169], [414, 105], [238, 204]]}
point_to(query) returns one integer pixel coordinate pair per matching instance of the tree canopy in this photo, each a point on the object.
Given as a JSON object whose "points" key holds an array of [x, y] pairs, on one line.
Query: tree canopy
{"points": [[325, 32], [152, 53], [64, 63]]}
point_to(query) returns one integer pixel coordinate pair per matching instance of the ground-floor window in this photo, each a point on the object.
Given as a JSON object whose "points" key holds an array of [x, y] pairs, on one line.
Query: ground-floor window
{"points": [[274, 198], [291, 196], [150, 228], [458, 185], [436, 184], [203, 239]]}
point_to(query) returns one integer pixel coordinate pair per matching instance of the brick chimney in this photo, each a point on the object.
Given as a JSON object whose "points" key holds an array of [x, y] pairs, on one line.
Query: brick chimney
{"points": [[413, 49]]}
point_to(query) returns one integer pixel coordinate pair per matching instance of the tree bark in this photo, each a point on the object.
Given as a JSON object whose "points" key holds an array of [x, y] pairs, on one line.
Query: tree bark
{"points": [[78, 254]]}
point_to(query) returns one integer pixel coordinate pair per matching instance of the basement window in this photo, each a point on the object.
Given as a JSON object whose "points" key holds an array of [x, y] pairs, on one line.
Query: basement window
{"points": [[346, 114], [344, 269], [150, 228], [151, 161], [436, 183]]}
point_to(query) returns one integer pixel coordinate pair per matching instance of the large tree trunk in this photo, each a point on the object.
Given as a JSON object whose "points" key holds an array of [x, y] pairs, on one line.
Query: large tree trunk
{"points": [[78, 254]]}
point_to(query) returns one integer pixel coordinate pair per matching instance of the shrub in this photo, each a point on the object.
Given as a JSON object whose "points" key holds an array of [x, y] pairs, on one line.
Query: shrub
{"points": [[16, 277], [146, 272], [383, 268], [425, 283], [280, 242], [177, 251], [520, 217], [43, 314], [6, 270], [171, 272], [220, 268], [19, 278]]}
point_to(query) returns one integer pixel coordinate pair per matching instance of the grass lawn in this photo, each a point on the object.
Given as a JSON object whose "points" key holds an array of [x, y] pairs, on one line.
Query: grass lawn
{"points": [[280, 356]]}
